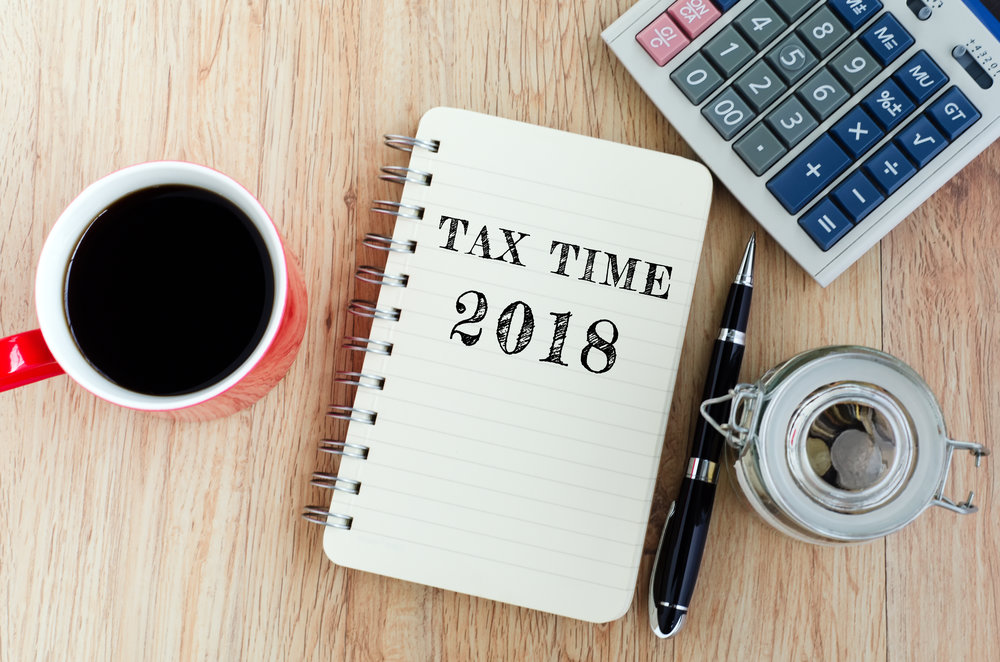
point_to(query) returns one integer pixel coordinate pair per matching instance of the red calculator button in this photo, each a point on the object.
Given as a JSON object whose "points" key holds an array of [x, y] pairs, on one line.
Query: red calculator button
{"points": [[662, 39], [694, 16]]}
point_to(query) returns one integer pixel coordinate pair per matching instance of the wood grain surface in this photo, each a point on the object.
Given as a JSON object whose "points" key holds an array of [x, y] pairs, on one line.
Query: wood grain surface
{"points": [[128, 537]]}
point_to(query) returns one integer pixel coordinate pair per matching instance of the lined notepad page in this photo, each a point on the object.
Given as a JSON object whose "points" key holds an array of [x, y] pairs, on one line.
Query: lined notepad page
{"points": [[507, 459]]}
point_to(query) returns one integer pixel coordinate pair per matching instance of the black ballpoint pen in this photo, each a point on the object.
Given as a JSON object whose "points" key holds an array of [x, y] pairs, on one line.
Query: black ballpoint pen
{"points": [[678, 557]]}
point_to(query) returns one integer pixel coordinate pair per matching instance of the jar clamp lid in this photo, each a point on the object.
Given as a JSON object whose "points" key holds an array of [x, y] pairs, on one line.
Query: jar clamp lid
{"points": [[841, 444]]}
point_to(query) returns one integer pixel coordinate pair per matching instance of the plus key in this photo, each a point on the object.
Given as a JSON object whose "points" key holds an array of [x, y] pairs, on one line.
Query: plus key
{"points": [[802, 179]]}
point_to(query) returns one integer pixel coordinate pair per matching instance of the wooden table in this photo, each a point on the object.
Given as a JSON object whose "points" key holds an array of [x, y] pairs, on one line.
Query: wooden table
{"points": [[128, 537]]}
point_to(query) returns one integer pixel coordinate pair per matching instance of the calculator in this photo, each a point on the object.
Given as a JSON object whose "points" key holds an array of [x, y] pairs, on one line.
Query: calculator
{"points": [[829, 120]]}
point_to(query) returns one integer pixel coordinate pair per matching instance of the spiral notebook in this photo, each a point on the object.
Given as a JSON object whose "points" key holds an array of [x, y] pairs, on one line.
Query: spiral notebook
{"points": [[507, 422]]}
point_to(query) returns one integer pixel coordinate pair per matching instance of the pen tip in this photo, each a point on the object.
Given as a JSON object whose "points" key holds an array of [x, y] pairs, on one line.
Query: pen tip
{"points": [[745, 275]]}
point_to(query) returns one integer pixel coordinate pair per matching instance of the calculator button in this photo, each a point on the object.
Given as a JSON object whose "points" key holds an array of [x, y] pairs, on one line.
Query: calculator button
{"points": [[728, 51], [792, 9], [725, 5], [693, 16], [953, 113], [808, 174], [759, 149], [760, 24], [825, 224], [854, 66], [857, 196], [791, 121], [920, 77], [696, 78], [886, 39], [889, 168], [791, 59], [857, 132], [662, 39], [759, 86], [854, 13], [728, 113], [921, 141], [822, 32], [888, 104], [822, 94]]}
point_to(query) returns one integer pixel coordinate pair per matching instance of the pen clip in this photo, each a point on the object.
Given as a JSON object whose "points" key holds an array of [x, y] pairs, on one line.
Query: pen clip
{"points": [[740, 430]]}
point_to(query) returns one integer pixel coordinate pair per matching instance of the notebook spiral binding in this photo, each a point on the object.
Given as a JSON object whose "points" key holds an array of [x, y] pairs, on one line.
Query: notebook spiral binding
{"points": [[369, 309]]}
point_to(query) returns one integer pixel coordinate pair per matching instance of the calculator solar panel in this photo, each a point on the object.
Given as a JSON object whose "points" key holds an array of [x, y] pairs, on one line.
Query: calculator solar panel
{"points": [[829, 120]]}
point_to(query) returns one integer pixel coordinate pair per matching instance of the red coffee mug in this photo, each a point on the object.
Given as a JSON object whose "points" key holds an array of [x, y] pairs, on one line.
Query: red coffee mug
{"points": [[52, 350]]}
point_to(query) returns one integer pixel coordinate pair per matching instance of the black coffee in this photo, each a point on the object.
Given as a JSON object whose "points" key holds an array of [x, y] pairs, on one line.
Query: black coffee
{"points": [[169, 290]]}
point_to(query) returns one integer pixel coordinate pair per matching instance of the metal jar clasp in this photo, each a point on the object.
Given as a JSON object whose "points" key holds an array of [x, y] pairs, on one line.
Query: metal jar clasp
{"points": [[740, 431], [966, 507]]}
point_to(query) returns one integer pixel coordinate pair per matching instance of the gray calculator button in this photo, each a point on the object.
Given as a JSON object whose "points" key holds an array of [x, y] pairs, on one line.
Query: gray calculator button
{"points": [[822, 31], [728, 113], [759, 149], [760, 24], [696, 78], [854, 66], [792, 9], [822, 94], [728, 51], [759, 86], [791, 59], [791, 121]]}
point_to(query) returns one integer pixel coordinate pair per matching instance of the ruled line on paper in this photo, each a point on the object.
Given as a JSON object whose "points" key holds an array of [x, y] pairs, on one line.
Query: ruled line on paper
{"points": [[494, 175], [589, 582], [521, 543], [375, 441]]}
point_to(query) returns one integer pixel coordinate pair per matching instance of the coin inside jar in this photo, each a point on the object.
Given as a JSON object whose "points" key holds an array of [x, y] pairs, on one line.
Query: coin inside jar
{"points": [[850, 445]]}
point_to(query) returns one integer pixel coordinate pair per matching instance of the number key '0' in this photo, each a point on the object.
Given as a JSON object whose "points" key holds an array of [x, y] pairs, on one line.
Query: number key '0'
{"points": [[696, 78]]}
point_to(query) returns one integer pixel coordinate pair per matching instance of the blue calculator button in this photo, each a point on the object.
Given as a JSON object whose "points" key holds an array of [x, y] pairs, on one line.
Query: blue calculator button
{"points": [[725, 5], [886, 39], [857, 196], [889, 169], [921, 141], [854, 12], [857, 132], [888, 104], [920, 77], [825, 224], [953, 113], [808, 174]]}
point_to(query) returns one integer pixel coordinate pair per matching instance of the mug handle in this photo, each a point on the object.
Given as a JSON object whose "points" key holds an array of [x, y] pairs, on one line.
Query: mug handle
{"points": [[25, 358]]}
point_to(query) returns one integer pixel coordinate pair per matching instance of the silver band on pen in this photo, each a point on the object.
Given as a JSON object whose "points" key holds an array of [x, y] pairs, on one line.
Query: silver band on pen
{"points": [[677, 607], [733, 336], [701, 469]]}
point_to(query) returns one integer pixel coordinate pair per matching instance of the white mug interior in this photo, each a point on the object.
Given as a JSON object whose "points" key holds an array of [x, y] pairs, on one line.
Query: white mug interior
{"points": [[53, 266]]}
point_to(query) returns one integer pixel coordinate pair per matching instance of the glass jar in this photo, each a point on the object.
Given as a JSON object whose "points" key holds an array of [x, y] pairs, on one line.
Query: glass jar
{"points": [[840, 444]]}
